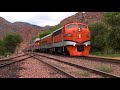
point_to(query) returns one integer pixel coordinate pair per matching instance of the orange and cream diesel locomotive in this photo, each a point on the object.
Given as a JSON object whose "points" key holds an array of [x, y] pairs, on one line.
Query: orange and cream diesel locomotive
{"points": [[72, 39]]}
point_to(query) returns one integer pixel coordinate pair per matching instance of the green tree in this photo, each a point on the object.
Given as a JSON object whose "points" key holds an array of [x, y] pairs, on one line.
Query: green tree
{"points": [[11, 40], [98, 36], [33, 38], [106, 34], [114, 38], [2, 48], [112, 18]]}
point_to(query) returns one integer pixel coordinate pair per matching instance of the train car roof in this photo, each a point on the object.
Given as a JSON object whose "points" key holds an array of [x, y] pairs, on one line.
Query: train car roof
{"points": [[51, 33], [46, 36], [57, 29], [37, 39], [75, 23]]}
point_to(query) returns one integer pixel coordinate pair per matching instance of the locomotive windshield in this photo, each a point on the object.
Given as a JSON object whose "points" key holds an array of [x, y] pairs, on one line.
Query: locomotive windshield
{"points": [[82, 26], [71, 26]]}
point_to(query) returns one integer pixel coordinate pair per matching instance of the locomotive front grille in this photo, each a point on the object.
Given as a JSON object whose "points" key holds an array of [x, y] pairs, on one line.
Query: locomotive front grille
{"points": [[80, 48]]}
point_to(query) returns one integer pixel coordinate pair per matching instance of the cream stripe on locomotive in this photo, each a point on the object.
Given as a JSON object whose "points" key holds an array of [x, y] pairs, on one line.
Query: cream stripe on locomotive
{"points": [[87, 43], [46, 46], [64, 43]]}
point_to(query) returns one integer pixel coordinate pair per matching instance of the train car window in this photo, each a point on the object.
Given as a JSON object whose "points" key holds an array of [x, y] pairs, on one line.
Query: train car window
{"points": [[82, 26], [57, 32], [71, 26]]}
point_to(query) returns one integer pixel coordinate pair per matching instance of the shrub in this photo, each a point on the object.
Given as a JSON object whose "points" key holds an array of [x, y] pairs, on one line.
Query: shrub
{"points": [[33, 38], [11, 40], [2, 48], [112, 18], [114, 38], [98, 36]]}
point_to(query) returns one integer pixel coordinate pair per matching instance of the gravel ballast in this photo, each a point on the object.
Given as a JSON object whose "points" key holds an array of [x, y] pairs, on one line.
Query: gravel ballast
{"points": [[88, 63]]}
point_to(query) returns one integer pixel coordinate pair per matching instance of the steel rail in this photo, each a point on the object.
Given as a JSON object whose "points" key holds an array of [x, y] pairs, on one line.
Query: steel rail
{"points": [[99, 59], [82, 67], [102, 59], [11, 62], [12, 57]]}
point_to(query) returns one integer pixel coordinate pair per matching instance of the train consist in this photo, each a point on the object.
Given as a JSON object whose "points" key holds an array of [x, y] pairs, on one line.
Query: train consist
{"points": [[72, 39]]}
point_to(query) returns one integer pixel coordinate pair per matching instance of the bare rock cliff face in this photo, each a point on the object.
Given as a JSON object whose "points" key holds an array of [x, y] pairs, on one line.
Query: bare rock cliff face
{"points": [[27, 31], [6, 27], [87, 17]]}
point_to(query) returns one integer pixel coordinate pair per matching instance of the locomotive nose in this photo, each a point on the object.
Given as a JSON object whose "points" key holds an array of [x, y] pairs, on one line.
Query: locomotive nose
{"points": [[86, 33]]}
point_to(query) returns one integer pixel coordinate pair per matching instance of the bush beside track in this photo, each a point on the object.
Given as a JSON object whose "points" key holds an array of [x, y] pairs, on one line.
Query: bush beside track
{"points": [[9, 43], [106, 35]]}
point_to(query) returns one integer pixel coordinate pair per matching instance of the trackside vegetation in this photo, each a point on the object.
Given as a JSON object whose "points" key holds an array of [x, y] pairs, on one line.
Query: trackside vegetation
{"points": [[33, 38], [105, 35], [9, 43]]}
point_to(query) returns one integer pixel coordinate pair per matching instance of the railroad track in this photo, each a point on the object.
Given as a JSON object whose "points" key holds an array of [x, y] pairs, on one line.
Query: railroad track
{"points": [[100, 59], [12, 57], [9, 61], [59, 69], [98, 72]]}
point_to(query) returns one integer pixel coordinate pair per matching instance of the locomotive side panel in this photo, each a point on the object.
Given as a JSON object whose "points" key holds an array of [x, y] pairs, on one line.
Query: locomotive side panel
{"points": [[57, 38], [46, 42]]}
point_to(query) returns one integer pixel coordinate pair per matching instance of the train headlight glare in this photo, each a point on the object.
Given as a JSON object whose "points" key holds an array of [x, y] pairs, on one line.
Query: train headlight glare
{"points": [[79, 29], [85, 44], [79, 36], [73, 44]]}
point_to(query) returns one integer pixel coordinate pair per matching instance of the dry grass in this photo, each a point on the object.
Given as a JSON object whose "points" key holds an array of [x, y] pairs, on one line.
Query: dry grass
{"points": [[85, 73], [107, 69]]}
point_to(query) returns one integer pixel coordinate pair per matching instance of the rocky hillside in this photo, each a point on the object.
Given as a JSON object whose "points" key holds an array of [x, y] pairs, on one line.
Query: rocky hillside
{"points": [[86, 17], [6, 27], [26, 30], [46, 27]]}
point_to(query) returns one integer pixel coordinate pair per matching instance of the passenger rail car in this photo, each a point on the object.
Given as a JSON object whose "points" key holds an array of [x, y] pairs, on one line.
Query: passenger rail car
{"points": [[72, 39]]}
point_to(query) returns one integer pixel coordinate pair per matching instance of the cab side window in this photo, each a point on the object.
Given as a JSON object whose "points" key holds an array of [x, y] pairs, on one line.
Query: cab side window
{"points": [[82, 26], [71, 26]]}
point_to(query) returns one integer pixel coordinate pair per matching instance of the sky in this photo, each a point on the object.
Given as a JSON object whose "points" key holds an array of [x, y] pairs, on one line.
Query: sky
{"points": [[36, 18]]}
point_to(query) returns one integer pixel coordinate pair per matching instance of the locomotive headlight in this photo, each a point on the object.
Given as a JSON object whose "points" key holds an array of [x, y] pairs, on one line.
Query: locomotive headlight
{"points": [[85, 44], [70, 35], [74, 44], [79, 29], [79, 36]]}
